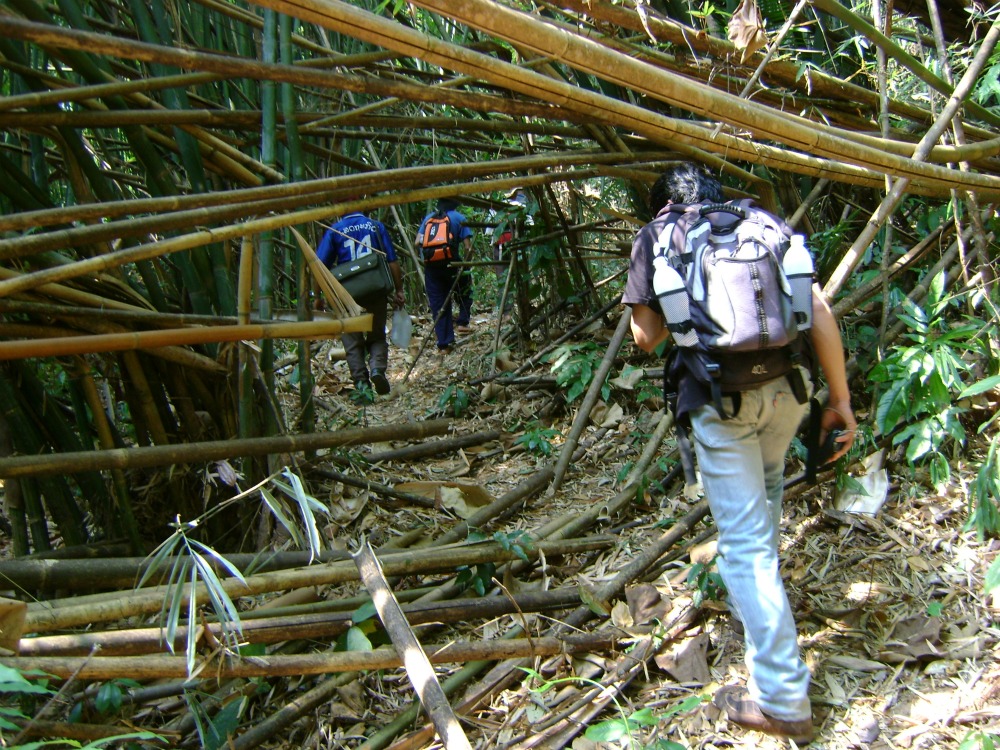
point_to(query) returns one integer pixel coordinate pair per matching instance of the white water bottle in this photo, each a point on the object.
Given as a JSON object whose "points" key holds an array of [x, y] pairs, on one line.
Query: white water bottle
{"points": [[673, 296], [798, 267]]}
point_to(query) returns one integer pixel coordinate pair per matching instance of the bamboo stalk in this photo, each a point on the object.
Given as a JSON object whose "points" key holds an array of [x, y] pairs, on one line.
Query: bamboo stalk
{"points": [[40, 619], [888, 205], [417, 664], [321, 625], [321, 189], [116, 342], [165, 455], [590, 399], [588, 56], [161, 667], [437, 447]]}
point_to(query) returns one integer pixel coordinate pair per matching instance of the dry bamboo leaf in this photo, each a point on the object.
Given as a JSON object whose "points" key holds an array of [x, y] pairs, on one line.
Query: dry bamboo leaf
{"points": [[12, 613], [333, 291], [835, 693], [604, 415], [746, 29], [461, 499], [856, 664]]}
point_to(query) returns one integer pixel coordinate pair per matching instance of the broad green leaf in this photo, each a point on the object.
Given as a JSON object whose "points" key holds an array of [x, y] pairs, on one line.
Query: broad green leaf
{"points": [[892, 406], [109, 698], [992, 582], [643, 717], [607, 731], [365, 612], [935, 291], [921, 443], [357, 640]]}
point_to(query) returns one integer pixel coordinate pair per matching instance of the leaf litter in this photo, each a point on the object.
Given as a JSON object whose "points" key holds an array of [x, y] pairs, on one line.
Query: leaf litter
{"points": [[893, 620]]}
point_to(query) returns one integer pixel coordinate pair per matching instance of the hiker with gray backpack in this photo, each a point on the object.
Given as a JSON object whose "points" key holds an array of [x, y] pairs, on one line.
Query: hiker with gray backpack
{"points": [[731, 285]]}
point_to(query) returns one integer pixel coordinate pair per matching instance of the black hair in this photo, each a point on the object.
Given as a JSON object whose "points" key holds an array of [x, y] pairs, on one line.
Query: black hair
{"points": [[447, 204], [686, 182]]}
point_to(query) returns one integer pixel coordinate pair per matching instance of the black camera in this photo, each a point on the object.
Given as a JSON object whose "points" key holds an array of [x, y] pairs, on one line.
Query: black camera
{"points": [[829, 447]]}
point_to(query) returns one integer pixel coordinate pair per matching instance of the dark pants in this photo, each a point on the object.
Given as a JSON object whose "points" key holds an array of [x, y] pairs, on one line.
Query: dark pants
{"points": [[439, 278], [464, 292], [368, 349]]}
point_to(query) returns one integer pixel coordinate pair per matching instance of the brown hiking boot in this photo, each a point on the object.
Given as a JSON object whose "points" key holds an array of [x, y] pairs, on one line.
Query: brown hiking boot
{"points": [[741, 709]]}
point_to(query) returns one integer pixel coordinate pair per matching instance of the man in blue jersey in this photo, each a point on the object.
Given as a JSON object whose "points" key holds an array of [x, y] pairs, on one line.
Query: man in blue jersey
{"points": [[443, 281], [353, 236]]}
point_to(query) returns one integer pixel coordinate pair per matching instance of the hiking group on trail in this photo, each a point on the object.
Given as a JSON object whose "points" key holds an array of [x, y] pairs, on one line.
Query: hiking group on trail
{"points": [[726, 291]]}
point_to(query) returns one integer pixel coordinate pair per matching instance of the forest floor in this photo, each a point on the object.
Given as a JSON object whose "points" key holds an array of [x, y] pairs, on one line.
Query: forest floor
{"points": [[892, 616]]}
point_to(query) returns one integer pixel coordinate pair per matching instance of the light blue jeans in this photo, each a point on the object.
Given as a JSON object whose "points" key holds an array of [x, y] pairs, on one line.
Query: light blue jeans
{"points": [[742, 464]]}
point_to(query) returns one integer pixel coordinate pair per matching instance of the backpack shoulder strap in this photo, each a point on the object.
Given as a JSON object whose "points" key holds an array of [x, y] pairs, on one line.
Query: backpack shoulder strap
{"points": [[670, 242]]}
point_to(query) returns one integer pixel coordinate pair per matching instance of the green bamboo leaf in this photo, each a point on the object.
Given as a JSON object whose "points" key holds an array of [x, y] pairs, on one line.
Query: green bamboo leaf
{"points": [[277, 510], [233, 570], [223, 605], [308, 517], [158, 557], [174, 599], [190, 652], [987, 384]]}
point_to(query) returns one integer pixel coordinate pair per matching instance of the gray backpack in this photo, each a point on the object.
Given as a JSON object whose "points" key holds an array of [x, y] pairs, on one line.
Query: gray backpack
{"points": [[735, 286]]}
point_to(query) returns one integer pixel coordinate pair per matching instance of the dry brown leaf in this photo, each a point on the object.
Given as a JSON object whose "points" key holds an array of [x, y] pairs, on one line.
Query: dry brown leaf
{"points": [[914, 638], [346, 508], [687, 662], [646, 604], [746, 29]]}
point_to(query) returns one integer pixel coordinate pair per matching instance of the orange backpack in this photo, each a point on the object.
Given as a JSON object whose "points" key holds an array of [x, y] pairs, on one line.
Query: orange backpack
{"points": [[437, 240]]}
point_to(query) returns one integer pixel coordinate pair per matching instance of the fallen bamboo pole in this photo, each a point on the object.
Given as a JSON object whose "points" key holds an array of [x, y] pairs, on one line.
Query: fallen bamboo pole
{"points": [[63, 346], [418, 666], [166, 455], [42, 617], [423, 450], [589, 400], [319, 625], [161, 667]]}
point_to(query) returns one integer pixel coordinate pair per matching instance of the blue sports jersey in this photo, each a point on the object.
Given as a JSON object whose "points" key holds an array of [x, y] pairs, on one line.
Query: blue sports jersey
{"points": [[353, 236]]}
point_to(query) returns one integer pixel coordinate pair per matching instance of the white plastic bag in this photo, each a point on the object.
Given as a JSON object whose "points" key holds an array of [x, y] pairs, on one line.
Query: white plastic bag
{"points": [[402, 328]]}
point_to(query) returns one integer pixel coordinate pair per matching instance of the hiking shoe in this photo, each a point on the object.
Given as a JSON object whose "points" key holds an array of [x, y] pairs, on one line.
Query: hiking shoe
{"points": [[463, 328], [381, 382], [741, 709]]}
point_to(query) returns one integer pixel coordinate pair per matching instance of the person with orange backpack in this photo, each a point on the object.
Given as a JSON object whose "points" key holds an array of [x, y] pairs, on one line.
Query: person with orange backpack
{"points": [[441, 235]]}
